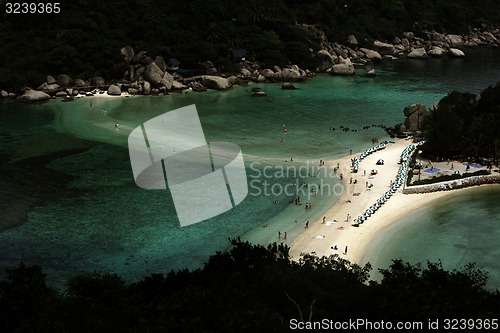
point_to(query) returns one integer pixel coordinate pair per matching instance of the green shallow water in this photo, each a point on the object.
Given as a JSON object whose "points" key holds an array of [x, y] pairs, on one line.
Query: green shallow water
{"points": [[460, 229], [69, 201]]}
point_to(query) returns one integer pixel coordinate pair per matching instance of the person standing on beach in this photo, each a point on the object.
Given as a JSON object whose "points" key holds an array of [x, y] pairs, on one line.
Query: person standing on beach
{"points": [[345, 252], [285, 235], [279, 234], [307, 224]]}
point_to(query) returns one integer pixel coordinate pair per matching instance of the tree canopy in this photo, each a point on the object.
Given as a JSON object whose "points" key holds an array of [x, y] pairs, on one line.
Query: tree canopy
{"points": [[462, 125], [246, 289]]}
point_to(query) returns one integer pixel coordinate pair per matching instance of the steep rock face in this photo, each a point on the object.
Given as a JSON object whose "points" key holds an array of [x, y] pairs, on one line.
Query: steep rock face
{"points": [[215, 82], [160, 62], [415, 114], [34, 96]]}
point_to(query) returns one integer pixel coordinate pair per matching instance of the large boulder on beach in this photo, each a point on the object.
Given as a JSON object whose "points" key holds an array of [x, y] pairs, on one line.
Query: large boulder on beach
{"points": [[326, 59], [114, 90], [344, 67], [372, 55], [412, 108], [245, 73], [215, 82], [436, 51], [50, 79], [267, 73], [176, 85], [50, 88], [415, 114], [418, 54], [167, 80], [4, 94], [153, 74], [34, 96], [64, 80], [384, 48], [455, 40], [456, 52], [146, 88], [436, 36], [290, 74]]}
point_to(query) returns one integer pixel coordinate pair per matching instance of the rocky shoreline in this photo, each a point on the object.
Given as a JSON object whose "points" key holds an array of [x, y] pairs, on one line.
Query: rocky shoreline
{"points": [[147, 75]]}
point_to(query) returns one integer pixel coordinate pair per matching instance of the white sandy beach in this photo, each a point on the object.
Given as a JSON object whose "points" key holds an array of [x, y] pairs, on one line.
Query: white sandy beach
{"points": [[319, 238]]}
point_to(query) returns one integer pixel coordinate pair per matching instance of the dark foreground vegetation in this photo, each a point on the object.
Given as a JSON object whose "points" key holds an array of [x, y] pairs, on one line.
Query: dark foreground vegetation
{"points": [[465, 127], [247, 289], [84, 39]]}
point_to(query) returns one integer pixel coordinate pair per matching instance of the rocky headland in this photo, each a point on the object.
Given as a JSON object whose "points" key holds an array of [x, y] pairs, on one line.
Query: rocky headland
{"points": [[146, 74]]}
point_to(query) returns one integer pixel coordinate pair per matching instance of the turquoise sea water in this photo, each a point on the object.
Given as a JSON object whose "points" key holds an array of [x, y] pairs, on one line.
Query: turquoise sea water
{"points": [[69, 201], [460, 229]]}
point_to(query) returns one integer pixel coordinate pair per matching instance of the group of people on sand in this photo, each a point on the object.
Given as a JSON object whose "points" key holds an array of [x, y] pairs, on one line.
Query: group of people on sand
{"points": [[279, 235]]}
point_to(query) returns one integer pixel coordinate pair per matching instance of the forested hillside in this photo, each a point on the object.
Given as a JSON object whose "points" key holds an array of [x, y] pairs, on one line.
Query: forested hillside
{"points": [[465, 126], [84, 39]]}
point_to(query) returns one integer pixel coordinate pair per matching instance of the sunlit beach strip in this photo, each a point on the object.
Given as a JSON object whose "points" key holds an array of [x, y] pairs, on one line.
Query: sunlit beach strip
{"points": [[342, 235]]}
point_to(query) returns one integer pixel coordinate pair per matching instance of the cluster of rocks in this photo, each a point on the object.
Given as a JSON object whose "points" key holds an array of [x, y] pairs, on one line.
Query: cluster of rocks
{"points": [[452, 185], [414, 117], [341, 59], [143, 74]]}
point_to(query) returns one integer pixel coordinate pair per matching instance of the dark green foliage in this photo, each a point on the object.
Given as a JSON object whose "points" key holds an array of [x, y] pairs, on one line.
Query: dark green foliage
{"points": [[435, 292], [464, 126], [85, 38], [246, 289]]}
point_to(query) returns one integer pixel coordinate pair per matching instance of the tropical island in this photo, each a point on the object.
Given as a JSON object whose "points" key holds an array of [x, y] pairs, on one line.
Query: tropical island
{"points": [[291, 283]]}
